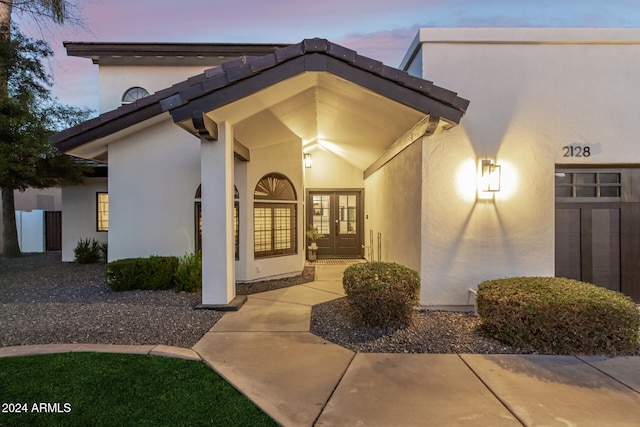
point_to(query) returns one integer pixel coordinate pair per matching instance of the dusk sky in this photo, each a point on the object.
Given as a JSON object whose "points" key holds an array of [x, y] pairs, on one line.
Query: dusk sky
{"points": [[381, 29]]}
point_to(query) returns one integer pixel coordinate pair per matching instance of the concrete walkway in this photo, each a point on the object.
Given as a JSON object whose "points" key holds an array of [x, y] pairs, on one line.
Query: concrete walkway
{"points": [[267, 352]]}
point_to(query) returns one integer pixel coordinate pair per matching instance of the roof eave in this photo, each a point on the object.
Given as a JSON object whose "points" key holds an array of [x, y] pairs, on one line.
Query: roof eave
{"points": [[227, 81]]}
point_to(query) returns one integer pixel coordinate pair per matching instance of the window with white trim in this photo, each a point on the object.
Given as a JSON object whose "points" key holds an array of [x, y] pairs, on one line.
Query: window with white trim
{"points": [[274, 217], [102, 211]]}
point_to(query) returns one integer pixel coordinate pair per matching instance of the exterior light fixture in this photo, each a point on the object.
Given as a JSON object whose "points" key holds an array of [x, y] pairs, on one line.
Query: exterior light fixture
{"points": [[490, 176], [307, 160]]}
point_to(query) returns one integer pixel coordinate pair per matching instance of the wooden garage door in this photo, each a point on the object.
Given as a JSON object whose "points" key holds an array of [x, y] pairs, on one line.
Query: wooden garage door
{"points": [[597, 227], [588, 245]]}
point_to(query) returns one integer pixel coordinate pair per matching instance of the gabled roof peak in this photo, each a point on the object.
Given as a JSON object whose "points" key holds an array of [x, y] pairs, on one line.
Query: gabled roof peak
{"points": [[310, 55]]}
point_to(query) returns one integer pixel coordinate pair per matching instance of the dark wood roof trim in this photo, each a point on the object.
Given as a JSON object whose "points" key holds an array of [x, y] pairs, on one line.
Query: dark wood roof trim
{"points": [[98, 49], [259, 73], [206, 128]]}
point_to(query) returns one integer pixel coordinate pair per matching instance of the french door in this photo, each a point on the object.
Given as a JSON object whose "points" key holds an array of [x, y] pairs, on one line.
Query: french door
{"points": [[338, 216]]}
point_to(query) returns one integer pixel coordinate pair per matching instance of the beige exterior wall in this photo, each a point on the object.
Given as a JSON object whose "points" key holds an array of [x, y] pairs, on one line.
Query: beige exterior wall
{"points": [[79, 215], [392, 208], [533, 91], [331, 171]]}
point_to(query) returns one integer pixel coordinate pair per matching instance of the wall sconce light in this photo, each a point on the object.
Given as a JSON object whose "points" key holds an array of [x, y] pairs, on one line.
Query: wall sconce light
{"points": [[490, 176], [307, 160]]}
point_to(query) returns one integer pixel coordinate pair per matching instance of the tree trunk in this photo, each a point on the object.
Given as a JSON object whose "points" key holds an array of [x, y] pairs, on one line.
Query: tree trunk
{"points": [[10, 246], [6, 7], [9, 229]]}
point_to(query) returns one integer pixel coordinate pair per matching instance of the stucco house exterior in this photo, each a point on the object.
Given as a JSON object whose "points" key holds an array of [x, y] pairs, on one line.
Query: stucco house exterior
{"points": [[530, 170]]}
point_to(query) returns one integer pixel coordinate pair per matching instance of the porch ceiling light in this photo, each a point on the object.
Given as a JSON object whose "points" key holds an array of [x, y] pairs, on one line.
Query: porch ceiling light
{"points": [[307, 160], [490, 176]]}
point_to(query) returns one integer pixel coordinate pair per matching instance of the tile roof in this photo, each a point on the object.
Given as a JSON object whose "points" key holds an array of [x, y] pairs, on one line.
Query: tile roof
{"points": [[204, 91]]}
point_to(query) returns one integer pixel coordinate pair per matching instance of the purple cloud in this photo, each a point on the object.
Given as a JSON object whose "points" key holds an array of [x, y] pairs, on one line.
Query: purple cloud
{"points": [[376, 28]]}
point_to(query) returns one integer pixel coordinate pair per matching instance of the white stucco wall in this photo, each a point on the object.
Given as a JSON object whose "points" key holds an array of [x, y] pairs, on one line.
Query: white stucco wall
{"points": [[153, 177], [533, 91], [392, 208], [79, 215], [154, 173], [114, 81], [284, 158]]}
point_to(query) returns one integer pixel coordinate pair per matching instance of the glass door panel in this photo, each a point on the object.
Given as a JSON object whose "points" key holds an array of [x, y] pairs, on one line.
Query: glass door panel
{"points": [[321, 213], [348, 214]]}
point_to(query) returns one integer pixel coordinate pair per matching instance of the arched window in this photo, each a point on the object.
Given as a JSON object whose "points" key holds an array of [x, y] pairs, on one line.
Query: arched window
{"points": [[236, 220], [274, 217], [133, 94]]}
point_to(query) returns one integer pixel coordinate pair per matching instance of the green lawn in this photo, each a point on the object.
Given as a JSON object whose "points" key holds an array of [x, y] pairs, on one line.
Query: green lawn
{"points": [[100, 389]]}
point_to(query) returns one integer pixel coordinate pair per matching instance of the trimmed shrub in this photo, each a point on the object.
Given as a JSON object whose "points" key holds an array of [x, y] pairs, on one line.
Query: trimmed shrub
{"points": [[381, 294], [559, 316], [153, 273], [88, 251], [188, 275]]}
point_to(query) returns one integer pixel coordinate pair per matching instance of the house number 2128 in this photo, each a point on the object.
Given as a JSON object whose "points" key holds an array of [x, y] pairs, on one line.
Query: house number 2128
{"points": [[576, 151]]}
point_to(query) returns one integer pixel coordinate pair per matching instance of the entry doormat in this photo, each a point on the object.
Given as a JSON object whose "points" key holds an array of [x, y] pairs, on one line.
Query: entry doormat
{"points": [[336, 261]]}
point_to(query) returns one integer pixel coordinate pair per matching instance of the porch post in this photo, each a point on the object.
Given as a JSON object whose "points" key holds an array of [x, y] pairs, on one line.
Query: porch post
{"points": [[218, 261]]}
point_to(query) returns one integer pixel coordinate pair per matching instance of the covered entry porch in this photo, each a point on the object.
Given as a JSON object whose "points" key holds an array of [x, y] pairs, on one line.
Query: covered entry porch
{"points": [[259, 116], [255, 118]]}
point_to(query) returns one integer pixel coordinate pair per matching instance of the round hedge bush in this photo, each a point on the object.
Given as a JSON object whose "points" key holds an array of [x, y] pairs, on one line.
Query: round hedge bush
{"points": [[381, 294], [559, 316]]}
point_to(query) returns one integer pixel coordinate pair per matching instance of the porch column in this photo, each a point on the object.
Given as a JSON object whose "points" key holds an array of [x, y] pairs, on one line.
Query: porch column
{"points": [[218, 260]]}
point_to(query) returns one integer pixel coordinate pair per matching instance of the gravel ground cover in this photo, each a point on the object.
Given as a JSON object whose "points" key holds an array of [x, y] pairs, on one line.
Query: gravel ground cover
{"points": [[45, 301], [430, 332]]}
